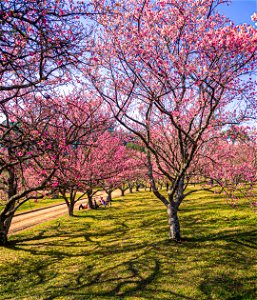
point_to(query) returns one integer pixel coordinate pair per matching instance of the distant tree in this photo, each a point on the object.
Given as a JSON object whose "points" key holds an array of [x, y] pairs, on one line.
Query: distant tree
{"points": [[84, 122]]}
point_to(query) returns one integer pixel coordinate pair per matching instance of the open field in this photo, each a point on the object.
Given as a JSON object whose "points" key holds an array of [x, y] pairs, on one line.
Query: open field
{"points": [[123, 252]]}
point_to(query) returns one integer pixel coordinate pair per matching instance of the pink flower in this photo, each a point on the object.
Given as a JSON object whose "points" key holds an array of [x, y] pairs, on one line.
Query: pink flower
{"points": [[254, 17]]}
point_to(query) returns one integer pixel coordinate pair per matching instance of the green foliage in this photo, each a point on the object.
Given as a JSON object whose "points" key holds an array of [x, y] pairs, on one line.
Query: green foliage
{"points": [[123, 252], [135, 146]]}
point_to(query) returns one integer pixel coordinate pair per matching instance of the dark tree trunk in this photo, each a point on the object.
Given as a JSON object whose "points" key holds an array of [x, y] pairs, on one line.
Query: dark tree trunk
{"points": [[173, 223], [130, 188], [122, 192], [5, 224], [167, 186], [70, 201], [137, 187], [71, 208], [90, 201], [6, 216], [3, 235], [109, 195]]}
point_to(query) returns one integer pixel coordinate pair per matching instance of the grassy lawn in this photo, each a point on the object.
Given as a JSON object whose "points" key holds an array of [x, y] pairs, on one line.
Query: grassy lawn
{"points": [[40, 203], [31, 204], [123, 252]]}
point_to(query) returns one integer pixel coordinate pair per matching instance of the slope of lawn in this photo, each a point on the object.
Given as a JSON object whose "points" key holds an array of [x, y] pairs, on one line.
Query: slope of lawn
{"points": [[123, 252], [40, 203]]}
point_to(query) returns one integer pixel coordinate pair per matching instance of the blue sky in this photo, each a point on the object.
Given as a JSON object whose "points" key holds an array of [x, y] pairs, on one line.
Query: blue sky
{"points": [[240, 11]]}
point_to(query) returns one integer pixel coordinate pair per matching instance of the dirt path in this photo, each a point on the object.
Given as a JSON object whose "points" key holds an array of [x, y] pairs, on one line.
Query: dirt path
{"points": [[25, 220]]}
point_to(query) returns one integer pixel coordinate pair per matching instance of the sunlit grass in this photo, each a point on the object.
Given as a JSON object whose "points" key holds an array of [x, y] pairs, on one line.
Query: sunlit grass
{"points": [[123, 252]]}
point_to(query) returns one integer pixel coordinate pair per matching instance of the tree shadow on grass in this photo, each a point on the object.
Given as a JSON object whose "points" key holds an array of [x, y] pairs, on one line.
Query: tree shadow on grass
{"points": [[128, 255], [223, 285], [139, 266]]}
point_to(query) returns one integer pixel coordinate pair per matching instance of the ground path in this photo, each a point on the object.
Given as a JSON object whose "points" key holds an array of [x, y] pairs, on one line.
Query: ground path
{"points": [[28, 219]]}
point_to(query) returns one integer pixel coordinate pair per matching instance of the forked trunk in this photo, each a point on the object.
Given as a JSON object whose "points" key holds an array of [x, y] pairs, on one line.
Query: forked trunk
{"points": [[122, 192], [90, 202], [131, 188], [173, 223]]}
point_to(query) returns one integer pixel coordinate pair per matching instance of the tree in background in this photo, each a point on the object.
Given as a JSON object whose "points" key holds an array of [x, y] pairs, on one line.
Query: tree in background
{"points": [[231, 164], [84, 121]]}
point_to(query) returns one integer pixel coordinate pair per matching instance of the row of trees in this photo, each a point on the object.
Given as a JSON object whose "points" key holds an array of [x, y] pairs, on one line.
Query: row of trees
{"points": [[62, 143], [175, 74]]}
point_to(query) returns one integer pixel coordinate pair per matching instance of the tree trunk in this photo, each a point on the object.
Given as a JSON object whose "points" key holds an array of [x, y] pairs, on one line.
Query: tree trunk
{"points": [[109, 195], [173, 211], [131, 188], [137, 187], [5, 224], [71, 208], [90, 201], [122, 192], [167, 186], [3, 234], [173, 223]]}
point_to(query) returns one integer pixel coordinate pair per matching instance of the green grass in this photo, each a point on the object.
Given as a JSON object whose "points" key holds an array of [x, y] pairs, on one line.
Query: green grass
{"points": [[31, 204], [123, 252], [40, 203]]}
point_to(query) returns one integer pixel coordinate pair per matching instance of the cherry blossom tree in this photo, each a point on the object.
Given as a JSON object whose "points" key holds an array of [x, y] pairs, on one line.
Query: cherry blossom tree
{"points": [[36, 136], [231, 164], [80, 167], [27, 162], [171, 72], [41, 41]]}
